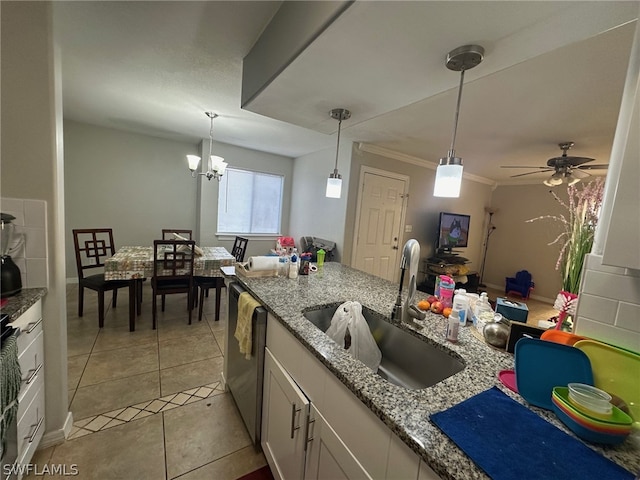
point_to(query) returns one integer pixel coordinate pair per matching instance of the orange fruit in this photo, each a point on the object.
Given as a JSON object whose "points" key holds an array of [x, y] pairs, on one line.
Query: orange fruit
{"points": [[446, 312], [424, 305]]}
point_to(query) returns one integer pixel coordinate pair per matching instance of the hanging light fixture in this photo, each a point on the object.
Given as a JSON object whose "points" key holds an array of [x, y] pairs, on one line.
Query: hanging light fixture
{"points": [[449, 171], [216, 165], [334, 182]]}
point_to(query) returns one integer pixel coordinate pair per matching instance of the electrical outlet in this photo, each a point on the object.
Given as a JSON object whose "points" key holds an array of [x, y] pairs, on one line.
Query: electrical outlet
{"points": [[408, 228]]}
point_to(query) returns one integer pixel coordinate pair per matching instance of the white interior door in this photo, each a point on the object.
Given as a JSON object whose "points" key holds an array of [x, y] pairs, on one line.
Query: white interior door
{"points": [[379, 222]]}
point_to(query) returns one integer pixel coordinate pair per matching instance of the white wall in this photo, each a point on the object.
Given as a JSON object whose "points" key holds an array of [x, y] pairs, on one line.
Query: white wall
{"points": [[32, 169], [139, 184], [517, 245], [312, 213], [423, 208], [135, 184]]}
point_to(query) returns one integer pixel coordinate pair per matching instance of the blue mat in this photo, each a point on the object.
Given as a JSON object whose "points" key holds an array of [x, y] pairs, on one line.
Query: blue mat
{"points": [[508, 441]]}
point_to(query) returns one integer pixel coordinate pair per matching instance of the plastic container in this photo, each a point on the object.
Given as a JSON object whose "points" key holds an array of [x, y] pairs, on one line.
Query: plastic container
{"points": [[447, 286], [453, 326], [293, 266], [461, 304], [320, 257], [482, 306], [590, 399], [283, 266]]}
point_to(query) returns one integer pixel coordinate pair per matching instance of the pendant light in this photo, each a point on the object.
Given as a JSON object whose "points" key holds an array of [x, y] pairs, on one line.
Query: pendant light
{"points": [[334, 182], [216, 165], [449, 171]]}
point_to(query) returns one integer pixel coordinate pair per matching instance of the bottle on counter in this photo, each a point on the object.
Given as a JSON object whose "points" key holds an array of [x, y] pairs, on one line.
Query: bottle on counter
{"points": [[293, 265], [447, 285], [482, 306], [453, 326], [461, 304]]}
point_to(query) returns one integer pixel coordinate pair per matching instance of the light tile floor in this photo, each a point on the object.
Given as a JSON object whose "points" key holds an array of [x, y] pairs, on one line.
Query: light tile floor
{"points": [[148, 404]]}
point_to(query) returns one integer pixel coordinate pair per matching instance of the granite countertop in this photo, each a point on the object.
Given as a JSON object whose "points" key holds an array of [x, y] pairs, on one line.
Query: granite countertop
{"points": [[21, 302], [405, 412]]}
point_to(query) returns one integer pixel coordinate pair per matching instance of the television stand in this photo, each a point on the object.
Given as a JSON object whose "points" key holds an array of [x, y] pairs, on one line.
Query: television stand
{"points": [[452, 265], [468, 281]]}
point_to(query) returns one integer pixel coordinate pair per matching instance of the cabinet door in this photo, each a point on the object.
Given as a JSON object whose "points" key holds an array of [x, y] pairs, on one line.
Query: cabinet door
{"points": [[328, 458], [285, 411]]}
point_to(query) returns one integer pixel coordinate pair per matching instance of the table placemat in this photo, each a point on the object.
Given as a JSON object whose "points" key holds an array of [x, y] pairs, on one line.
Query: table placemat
{"points": [[509, 441]]}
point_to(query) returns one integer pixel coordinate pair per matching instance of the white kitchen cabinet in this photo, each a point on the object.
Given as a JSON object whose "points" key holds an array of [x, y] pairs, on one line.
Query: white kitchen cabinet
{"points": [[30, 417], [285, 413], [328, 458], [345, 439]]}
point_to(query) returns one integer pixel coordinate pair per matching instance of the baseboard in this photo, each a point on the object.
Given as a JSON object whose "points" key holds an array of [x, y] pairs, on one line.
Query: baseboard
{"points": [[56, 437], [533, 297]]}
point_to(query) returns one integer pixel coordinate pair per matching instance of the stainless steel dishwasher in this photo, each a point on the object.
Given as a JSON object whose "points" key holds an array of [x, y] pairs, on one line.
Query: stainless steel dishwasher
{"points": [[244, 377]]}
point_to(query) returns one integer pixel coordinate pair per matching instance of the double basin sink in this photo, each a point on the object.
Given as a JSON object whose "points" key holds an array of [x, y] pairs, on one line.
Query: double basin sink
{"points": [[407, 361]]}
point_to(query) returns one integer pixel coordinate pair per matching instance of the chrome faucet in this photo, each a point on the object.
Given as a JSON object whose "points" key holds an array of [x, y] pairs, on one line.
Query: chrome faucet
{"points": [[411, 258]]}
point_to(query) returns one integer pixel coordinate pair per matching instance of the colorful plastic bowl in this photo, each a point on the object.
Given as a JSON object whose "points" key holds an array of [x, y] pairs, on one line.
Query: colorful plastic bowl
{"points": [[587, 428]]}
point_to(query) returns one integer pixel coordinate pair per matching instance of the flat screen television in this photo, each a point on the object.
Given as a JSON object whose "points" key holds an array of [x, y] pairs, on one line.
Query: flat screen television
{"points": [[453, 231]]}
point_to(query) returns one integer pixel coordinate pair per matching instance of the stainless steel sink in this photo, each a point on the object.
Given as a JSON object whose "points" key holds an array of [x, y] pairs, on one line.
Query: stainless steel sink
{"points": [[407, 361]]}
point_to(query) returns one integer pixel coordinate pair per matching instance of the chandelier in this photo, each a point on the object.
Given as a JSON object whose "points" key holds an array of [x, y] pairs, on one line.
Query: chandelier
{"points": [[216, 165]]}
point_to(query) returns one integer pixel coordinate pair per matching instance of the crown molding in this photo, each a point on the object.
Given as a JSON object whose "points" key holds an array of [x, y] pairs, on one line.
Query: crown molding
{"points": [[420, 162]]}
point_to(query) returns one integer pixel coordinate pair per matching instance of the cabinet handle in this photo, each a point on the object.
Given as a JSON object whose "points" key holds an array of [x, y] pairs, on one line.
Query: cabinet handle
{"points": [[32, 437], [294, 410], [310, 421], [31, 326], [32, 374]]}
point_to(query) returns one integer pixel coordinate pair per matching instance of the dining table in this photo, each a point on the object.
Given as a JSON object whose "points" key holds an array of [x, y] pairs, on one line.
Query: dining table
{"points": [[135, 263]]}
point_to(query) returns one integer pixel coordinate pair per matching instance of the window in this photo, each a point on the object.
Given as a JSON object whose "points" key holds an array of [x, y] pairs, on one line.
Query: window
{"points": [[249, 202]]}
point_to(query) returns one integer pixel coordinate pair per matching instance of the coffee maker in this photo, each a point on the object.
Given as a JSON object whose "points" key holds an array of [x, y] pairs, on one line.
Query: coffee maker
{"points": [[10, 280]]}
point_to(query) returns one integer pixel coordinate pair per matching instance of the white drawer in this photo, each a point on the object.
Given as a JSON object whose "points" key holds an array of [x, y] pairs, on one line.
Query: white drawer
{"points": [[30, 324], [31, 424], [31, 362]]}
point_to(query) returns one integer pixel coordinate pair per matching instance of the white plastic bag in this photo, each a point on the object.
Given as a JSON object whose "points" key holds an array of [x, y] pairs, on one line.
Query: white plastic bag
{"points": [[363, 346]]}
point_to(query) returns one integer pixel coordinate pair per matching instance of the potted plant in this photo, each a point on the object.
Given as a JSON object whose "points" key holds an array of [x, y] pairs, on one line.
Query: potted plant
{"points": [[575, 239]]}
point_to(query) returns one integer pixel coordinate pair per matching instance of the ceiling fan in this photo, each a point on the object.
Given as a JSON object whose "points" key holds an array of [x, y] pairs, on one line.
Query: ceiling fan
{"points": [[565, 169]]}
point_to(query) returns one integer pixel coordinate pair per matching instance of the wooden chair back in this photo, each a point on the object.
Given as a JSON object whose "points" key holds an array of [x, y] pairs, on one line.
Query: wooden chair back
{"points": [[239, 248], [92, 246], [173, 261], [167, 233]]}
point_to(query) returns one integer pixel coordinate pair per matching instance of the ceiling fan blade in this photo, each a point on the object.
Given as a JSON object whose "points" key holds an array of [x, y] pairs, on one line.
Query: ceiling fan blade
{"points": [[578, 173], [593, 167], [521, 166], [531, 173], [573, 161]]}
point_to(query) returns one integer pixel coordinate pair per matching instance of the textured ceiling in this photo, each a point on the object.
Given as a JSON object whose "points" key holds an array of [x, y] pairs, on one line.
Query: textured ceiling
{"points": [[553, 72]]}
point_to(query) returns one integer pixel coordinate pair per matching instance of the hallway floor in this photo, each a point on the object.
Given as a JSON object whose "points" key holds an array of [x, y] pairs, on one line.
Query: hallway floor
{"points": [[148, 404]]}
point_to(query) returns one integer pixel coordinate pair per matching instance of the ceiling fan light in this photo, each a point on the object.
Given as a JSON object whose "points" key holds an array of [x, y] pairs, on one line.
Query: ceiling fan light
{"points": [[553, 181], [571, 180]]}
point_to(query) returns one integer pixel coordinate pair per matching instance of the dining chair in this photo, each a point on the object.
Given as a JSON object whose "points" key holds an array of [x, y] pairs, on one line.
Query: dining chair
{"points": [[239, 248], [206, 283], [167, 233], [92, 247], [173, 262]]}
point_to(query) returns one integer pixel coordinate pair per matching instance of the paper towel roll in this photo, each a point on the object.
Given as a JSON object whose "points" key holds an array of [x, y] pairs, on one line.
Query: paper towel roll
{"points": [[263, 263]]}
